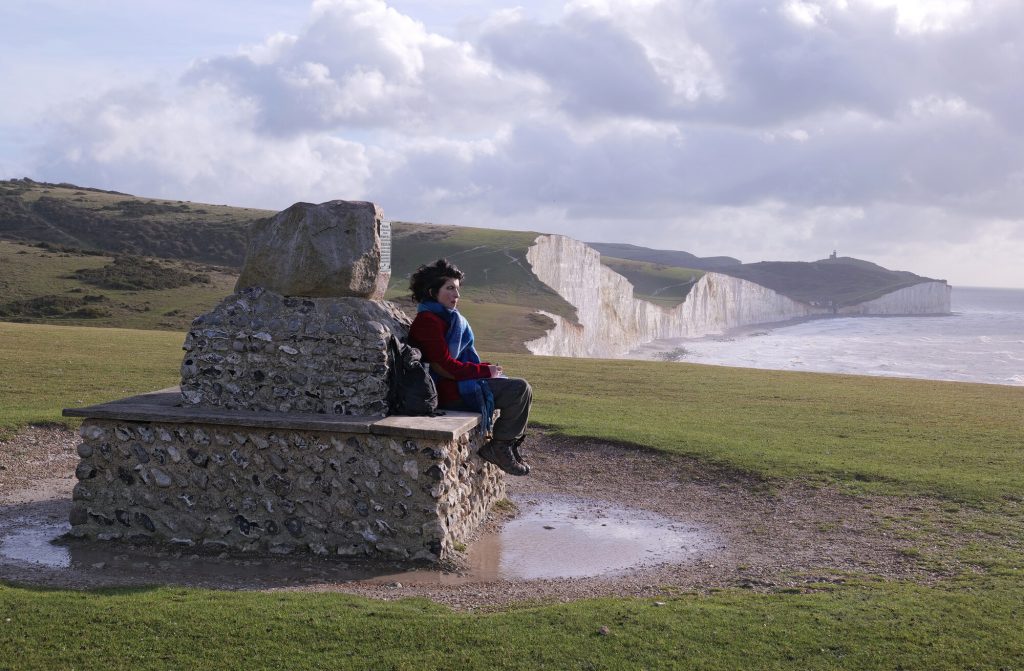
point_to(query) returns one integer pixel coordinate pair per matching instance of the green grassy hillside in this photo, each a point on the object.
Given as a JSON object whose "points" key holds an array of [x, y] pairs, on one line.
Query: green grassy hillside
{"points": [[664, 257], [49, 286], [91, 219], [502, 294], [840, 282], [86, 228], [43, 285], [79, 218], [494, 261], [663, 285]]}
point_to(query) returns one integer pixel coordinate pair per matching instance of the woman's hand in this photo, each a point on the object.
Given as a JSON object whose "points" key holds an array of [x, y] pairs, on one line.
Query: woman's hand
{"points": [[494, 370]]}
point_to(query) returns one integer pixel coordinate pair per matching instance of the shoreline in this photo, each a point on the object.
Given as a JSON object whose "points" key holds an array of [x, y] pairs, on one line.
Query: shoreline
{"points": [[971, 349]]}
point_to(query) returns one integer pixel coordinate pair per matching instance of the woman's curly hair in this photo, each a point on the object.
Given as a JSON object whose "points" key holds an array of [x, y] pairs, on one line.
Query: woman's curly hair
{"points": [[428, 279]]}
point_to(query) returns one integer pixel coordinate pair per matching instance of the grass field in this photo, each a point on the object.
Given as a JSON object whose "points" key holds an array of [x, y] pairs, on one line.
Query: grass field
{"points": [[54, 367], [960, 443], [884, 434], [894, 626], [964, 441]]}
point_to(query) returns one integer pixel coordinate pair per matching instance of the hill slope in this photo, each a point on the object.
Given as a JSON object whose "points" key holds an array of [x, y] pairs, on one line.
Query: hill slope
{"points": [[662, 285], [501, 291], [837, 282], [91, 219], [44, 285], [664, 257]]}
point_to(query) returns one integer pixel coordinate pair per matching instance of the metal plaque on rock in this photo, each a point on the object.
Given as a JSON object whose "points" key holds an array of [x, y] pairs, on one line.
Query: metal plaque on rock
{"points": [[385, 246]]}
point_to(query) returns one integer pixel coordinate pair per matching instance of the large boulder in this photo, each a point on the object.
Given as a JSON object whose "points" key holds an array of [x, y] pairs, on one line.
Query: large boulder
{"points": [[328, 250]]}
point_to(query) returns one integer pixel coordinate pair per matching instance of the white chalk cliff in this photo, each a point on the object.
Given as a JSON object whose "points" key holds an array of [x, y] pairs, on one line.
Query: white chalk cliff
{"points": [[611, 321], [921, 299]]}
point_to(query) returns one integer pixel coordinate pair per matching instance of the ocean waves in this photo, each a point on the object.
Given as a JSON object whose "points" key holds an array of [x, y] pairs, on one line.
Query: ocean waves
{"points": [[980, 342]]}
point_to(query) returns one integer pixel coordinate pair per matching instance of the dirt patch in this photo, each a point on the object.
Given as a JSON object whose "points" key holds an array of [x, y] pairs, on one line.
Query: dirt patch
{"points": [[767, 535], [38, 464]]}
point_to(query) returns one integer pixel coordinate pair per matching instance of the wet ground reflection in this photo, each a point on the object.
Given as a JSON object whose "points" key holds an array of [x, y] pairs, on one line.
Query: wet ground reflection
{"points": [[552, 537]]}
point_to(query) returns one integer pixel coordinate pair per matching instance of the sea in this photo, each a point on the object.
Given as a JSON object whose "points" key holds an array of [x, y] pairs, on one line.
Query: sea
{"points": [[981, 341]]}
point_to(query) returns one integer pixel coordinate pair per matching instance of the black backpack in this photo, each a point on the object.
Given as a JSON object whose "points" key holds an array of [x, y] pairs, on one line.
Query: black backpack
{"points": [[412, 391]]}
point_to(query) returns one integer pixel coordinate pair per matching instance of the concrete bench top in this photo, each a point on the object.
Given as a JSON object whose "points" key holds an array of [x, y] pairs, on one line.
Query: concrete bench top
{"points": [[165, 406]]}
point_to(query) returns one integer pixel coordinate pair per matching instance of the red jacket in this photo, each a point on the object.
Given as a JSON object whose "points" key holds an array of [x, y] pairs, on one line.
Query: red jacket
{"points": [[428, 334]]}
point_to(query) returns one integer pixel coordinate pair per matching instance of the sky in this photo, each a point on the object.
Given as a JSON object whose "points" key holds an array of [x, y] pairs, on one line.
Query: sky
{"points": [[887, 130]]}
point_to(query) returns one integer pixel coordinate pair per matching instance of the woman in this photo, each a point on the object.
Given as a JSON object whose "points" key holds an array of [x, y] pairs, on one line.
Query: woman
{"points": [[464, 382]]}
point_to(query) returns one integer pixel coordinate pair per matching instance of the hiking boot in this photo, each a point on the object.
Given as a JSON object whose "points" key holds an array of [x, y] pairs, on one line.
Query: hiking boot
{"points": [[518, 453], [499, 453]]}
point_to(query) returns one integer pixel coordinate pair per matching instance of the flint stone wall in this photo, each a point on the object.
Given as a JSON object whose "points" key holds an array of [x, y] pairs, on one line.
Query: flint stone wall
{"points": [[259, 350], [251, 489]]}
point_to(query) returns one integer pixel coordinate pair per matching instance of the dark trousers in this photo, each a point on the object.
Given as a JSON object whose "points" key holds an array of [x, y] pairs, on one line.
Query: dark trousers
{"points": [[513, 396]]}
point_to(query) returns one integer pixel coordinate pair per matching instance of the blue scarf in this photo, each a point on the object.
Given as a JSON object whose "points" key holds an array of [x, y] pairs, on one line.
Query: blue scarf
{"points": [[475, 394]]}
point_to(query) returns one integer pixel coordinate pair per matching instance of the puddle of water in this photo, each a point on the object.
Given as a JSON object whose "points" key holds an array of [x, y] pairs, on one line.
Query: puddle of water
{"points": [[567, 537], [553, 537], [33, 543]]}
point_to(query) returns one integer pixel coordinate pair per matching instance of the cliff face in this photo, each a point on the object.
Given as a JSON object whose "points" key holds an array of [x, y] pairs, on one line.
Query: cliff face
{"points": [[612, 321], [920, 299], [720, 302]]}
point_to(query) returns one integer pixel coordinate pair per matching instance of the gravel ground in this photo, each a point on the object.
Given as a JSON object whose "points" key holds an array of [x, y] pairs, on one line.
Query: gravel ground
{"points": [[768, 535]]}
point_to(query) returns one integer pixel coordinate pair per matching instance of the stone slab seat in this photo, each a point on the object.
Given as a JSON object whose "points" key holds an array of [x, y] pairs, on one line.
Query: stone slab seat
{"points": [[165, 406], [406, 488]]}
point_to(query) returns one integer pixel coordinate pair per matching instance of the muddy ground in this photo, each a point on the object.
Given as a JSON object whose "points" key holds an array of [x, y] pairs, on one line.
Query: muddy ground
{"points": [[763, 535]]}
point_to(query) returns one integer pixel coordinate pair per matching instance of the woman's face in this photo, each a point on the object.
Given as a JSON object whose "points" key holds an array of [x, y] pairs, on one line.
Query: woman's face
{"points": [[448, 294]]}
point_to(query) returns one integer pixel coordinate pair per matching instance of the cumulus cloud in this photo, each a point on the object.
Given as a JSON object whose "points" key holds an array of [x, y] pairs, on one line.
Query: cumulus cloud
{"points": [[200, 146], [772, 130], [361, 64]]}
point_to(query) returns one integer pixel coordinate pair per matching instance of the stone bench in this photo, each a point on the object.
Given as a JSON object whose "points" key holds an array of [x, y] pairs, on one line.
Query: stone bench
{"points": [[407, 488]]}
